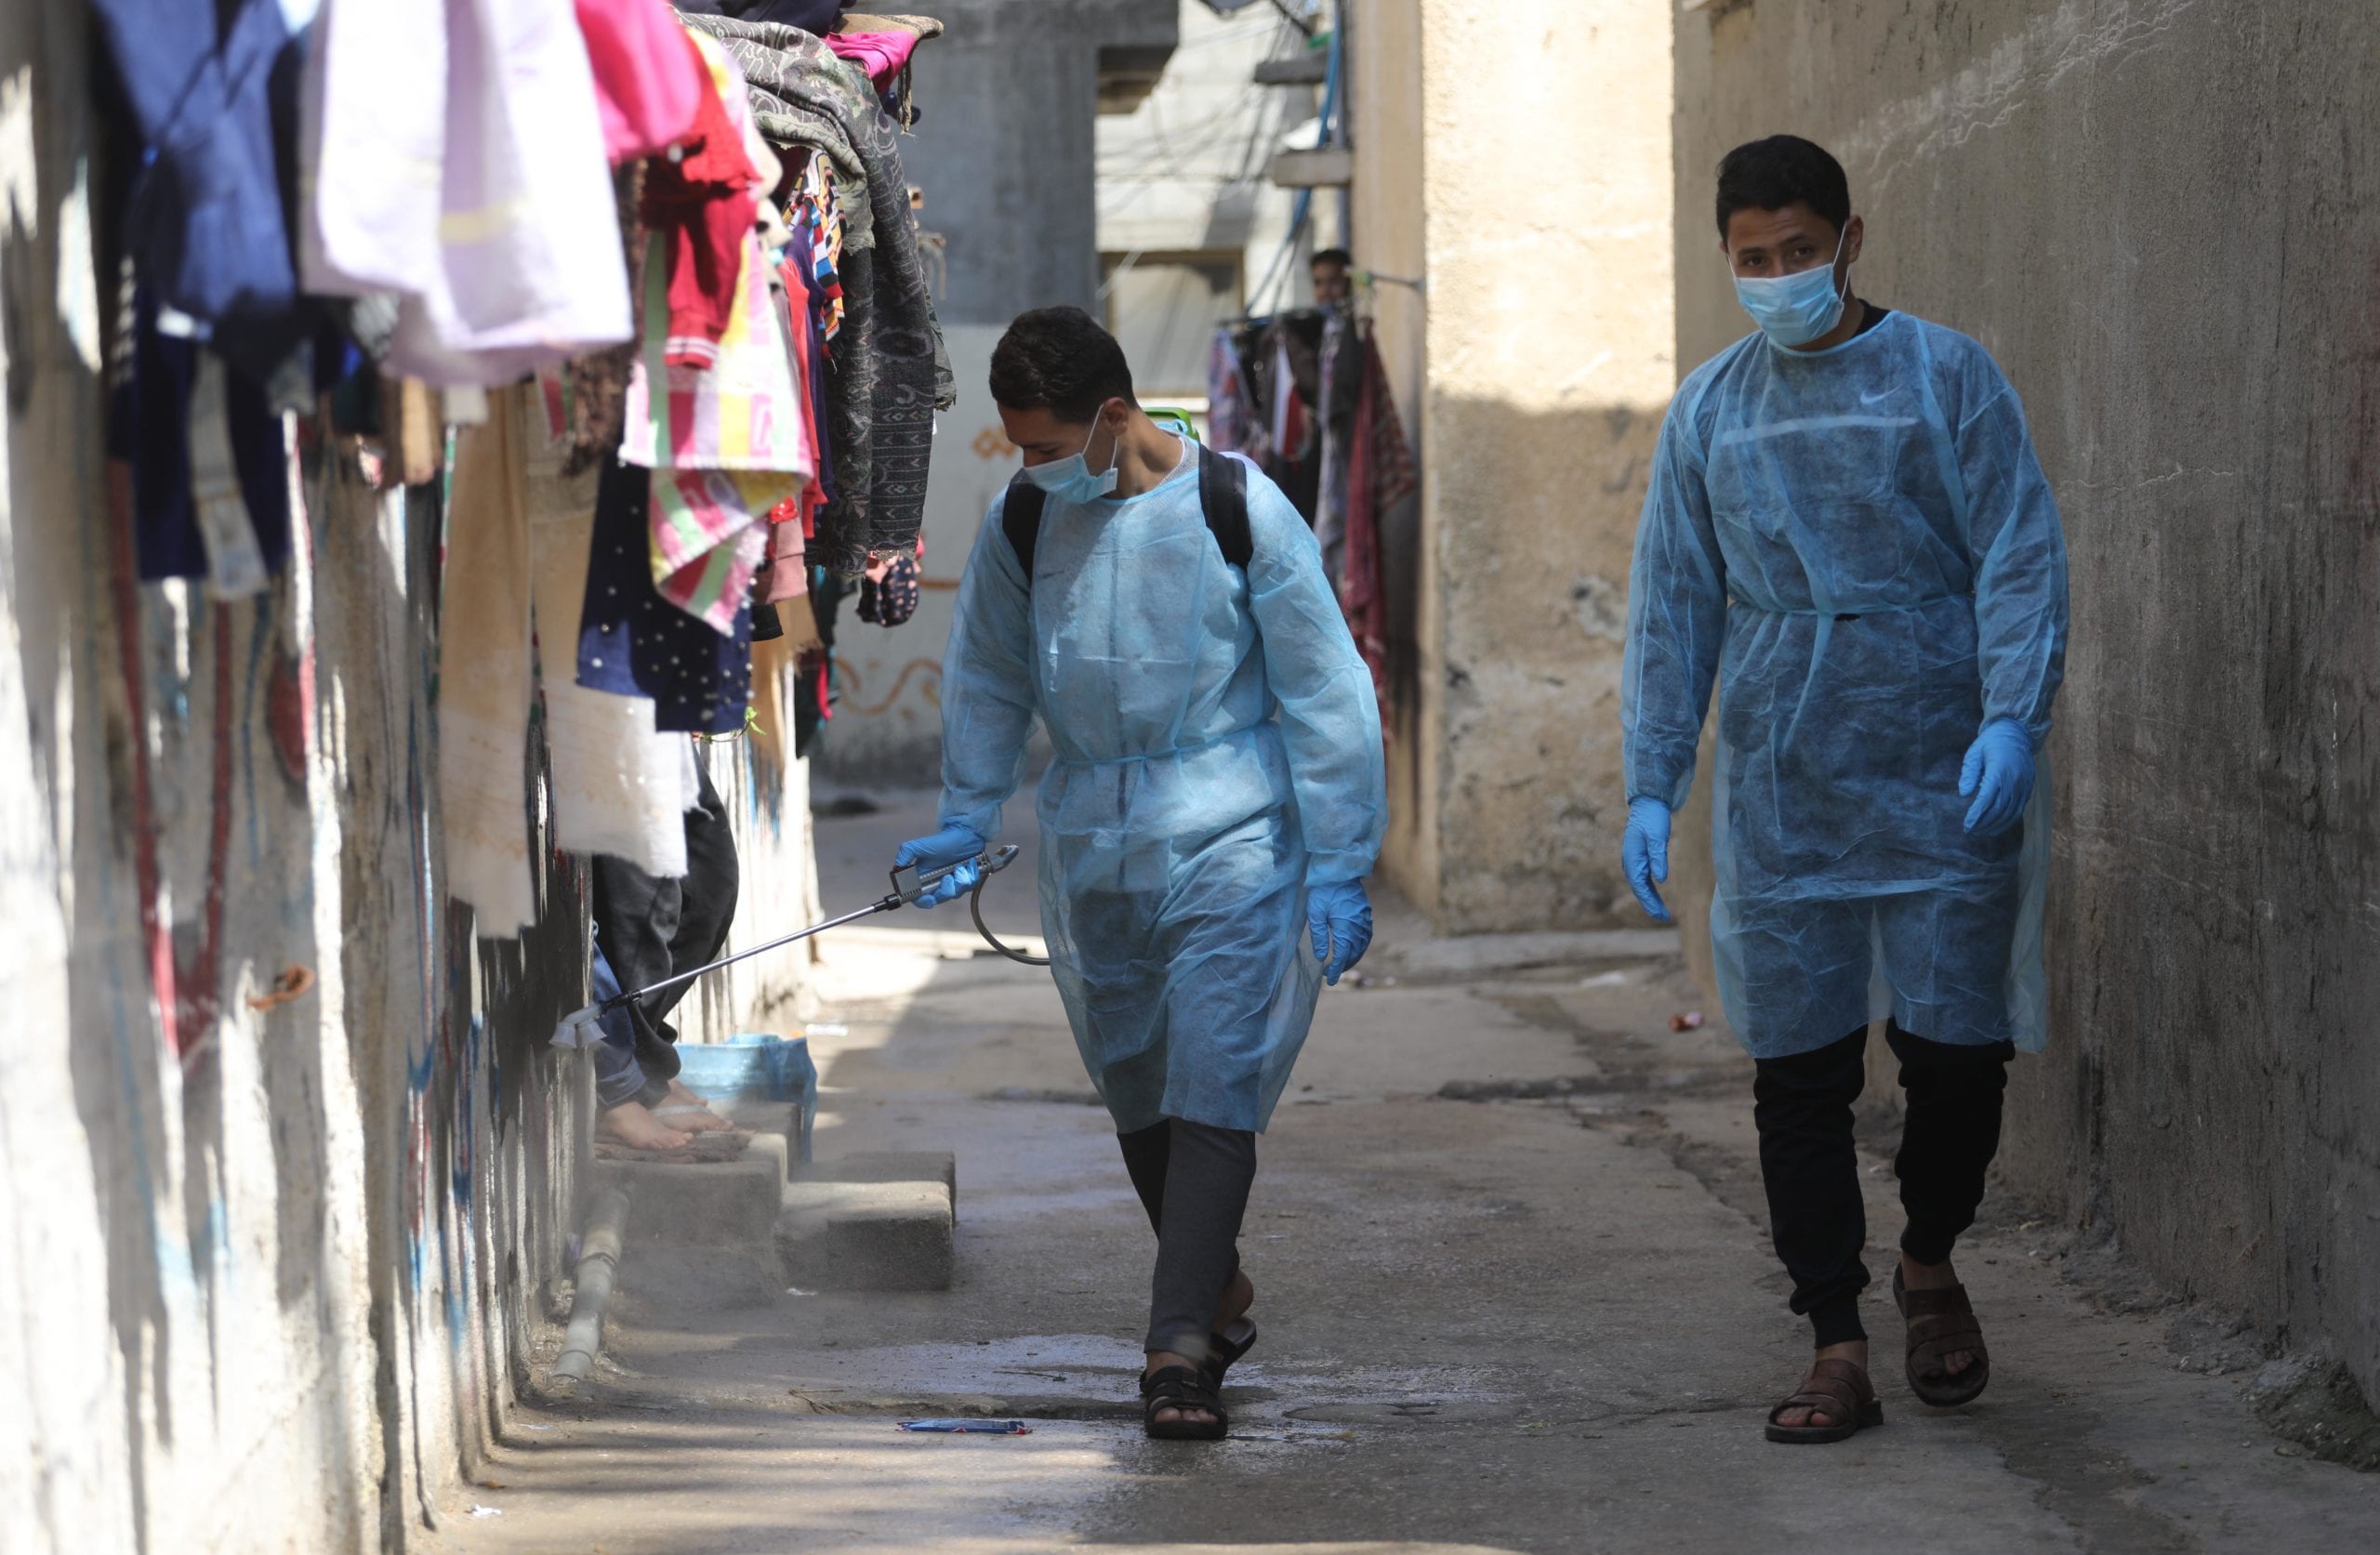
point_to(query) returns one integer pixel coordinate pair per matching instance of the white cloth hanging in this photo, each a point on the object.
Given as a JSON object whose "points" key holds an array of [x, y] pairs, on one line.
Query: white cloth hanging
{"points": [[454, 155]]}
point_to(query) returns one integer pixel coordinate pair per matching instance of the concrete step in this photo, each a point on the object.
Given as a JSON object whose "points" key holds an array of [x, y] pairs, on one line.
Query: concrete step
{"points": [[879, 1221], [777, 1121], [887, 1166], [710, 1204]]}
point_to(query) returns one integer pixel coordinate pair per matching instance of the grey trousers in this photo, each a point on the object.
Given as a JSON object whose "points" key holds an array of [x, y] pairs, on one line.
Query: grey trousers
{"points": [[1192, 1180], [649, 929]]}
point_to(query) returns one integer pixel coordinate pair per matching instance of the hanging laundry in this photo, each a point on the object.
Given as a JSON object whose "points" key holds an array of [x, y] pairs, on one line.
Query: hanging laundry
{"points": [[618, 782], [1341, 379], [882, 55], [372, 142], [1290, 425], [701, 206], [888, 590], [205, 223], [892, 375], [743, 411], [1290, 354], [190, 520], [710, 540], [1228, 415], [788, 569], [743, 415], [647, 88], [595, 387], [456, 158], [810, 15], [1381, 477], [634, 642], [484, 679]]}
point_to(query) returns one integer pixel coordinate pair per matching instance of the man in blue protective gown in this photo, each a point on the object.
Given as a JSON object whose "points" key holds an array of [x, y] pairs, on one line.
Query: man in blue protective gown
{"points": [[1848, 529], [1217, 797]]}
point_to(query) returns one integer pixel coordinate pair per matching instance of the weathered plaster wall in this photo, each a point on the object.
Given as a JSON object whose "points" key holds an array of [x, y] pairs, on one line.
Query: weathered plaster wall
{"points": [[1546, 202], [1004, 149], [1383, 67], [266, 1276], [2164, 218]]}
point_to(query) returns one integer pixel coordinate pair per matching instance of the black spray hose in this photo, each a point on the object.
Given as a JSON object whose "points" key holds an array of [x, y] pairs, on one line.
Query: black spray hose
{"points": [[975, 906]]}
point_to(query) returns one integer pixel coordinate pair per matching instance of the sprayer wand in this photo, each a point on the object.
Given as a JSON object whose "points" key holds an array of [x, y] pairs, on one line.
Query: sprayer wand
{"points": [[578, 1029]]}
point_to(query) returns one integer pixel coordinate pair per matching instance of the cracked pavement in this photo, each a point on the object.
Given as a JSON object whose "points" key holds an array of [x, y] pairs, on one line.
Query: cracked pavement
{"points": [[1515, 1292]]}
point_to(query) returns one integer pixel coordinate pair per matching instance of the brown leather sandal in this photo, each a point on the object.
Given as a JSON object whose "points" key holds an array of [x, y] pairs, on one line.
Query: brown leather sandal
{"points": [[1940, 1323], [1839, 1389]]}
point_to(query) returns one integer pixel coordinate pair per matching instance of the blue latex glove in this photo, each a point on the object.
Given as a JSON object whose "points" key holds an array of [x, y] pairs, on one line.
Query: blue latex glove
{"points": [[1339, 918], [1999, 772], [1645, 853], [959, 845]]}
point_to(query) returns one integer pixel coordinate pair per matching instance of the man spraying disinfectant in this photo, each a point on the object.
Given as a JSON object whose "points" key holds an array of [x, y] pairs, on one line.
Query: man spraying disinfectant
{"points": [[1847, 528], [1217, 799]]}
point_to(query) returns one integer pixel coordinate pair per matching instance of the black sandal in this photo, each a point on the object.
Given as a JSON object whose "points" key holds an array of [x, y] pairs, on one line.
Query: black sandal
{"points": [[1182, 1389], [1225, 1348]]}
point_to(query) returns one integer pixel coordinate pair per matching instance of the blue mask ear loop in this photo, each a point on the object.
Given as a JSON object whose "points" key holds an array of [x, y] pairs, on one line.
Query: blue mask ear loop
{"points": [[1115, 454], [1842, 290]]}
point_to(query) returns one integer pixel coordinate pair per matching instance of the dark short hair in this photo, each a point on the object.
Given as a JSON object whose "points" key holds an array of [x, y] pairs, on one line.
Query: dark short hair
{"points": [[1332, 256], [1060, 360], [1772, 173]]}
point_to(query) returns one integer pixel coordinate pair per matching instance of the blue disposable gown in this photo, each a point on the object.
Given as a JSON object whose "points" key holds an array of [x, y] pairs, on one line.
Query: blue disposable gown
{"points": [[1217, 751], [1860, 545]]}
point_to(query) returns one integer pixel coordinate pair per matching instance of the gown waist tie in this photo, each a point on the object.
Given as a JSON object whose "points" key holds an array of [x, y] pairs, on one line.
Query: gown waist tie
{"points": [[1224, 739], [1847, 615]]}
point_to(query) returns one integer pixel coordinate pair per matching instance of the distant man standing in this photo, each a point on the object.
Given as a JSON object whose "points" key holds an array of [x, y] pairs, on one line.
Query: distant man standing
{"points": [[1334, 278], [1847, 527]]}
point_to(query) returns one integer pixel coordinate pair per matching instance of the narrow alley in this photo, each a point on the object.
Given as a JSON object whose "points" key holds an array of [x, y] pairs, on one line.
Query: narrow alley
{"points": [[1513, 1288], [745, 744]]}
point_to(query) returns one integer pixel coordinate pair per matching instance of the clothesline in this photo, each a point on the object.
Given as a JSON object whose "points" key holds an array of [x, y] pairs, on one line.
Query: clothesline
{"points": [[664, 448]]}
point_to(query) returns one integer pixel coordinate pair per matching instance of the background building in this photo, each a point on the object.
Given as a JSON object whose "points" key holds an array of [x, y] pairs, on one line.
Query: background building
{"points": [[1533, 361], [1192, 232]]}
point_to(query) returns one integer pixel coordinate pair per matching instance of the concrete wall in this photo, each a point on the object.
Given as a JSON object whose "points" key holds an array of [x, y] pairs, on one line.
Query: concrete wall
{"points": [[1004, 147], [2161, 217], [267, 1277], [1391, 238], [1545, 221]]}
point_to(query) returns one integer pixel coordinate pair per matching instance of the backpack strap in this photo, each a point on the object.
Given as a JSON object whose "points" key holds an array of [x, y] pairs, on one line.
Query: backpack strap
{"points": [[1222, 496], [1021, 520]]}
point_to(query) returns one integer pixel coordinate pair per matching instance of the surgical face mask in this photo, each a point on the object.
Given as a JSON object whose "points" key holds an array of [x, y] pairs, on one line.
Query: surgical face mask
{"points": [[1070, 480], [1795, 309]]}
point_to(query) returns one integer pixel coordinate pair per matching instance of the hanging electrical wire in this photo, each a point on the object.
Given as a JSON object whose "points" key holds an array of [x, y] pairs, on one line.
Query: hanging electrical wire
{"points": [[1327, 133]]}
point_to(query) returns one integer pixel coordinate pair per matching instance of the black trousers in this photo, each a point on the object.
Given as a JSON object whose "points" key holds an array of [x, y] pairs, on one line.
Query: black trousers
{"points": [[1192, 1180], [1801, 1105], [653, 929]]}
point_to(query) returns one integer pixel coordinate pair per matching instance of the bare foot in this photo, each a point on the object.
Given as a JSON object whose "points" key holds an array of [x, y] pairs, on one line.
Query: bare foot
{"points": [[1937, 1277], [1238, 1297], [1855, 1352], [700, 1120], [632, 1124]]}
